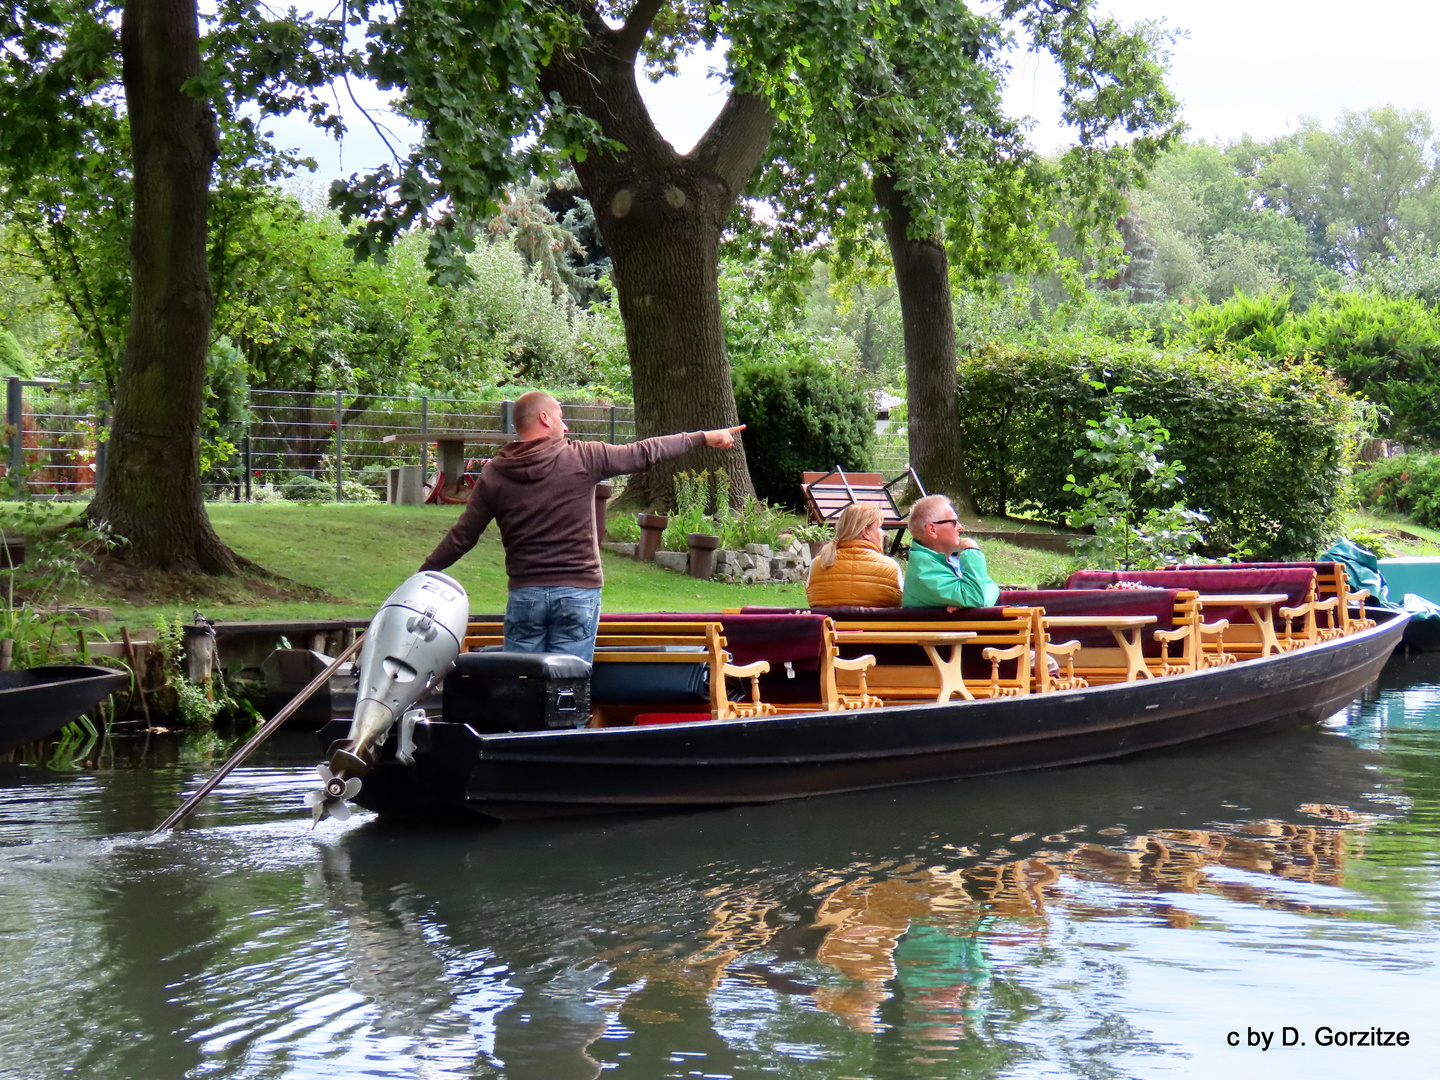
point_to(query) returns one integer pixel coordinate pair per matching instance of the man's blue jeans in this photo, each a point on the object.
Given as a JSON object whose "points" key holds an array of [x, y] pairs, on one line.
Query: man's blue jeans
{"points": [[552, 619]]}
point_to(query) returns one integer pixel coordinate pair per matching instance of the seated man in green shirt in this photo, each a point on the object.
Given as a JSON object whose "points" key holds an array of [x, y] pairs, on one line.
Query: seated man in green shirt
{"points": [[946, 569]]}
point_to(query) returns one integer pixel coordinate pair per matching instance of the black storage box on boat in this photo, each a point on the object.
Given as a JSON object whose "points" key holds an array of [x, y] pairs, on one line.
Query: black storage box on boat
{"points": [[495, 691]]}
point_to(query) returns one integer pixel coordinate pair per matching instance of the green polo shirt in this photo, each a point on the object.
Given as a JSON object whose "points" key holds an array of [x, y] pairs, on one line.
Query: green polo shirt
{"points": [[933, 581]]}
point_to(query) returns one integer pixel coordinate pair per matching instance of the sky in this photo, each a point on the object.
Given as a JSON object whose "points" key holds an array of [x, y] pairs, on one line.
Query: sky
{"points": [[1240, 68]]}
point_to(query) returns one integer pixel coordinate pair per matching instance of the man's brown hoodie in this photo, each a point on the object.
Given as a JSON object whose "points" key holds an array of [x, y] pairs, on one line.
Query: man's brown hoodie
{"points": [[542, 495]]}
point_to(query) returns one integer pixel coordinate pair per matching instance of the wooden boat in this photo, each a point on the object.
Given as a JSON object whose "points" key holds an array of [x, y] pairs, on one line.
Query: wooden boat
{"points": [[510, 775], [37, 702]]}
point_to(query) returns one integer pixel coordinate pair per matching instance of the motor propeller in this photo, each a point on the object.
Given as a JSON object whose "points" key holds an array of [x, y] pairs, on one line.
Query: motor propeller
{"points": [[332, 797]]}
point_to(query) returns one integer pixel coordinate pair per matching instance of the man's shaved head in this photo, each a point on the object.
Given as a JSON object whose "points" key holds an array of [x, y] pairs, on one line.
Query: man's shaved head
{"points": [[528, 408]]}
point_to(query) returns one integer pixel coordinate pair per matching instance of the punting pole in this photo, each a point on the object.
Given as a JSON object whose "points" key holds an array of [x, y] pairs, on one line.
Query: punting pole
{"points": [[259, 737]]}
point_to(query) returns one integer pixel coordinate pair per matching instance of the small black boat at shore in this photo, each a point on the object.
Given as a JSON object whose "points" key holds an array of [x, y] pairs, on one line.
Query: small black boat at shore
{"points": [[37, 702], [548, 773]]}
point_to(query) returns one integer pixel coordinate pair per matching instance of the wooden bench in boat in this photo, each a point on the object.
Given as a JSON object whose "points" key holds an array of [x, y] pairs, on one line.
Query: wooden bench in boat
{"points": [[906, 671], [828, 493], [1331, 583], [1244, 638], [697, 643], [1176, 641], [800, 650]]}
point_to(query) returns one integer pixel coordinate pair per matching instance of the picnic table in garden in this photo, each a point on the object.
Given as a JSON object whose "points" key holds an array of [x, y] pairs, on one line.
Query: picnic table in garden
{"points": [[450, 457]]}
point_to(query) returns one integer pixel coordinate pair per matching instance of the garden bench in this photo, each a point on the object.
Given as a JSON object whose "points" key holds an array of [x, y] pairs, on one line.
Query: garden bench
{"points": [[828, 493]]}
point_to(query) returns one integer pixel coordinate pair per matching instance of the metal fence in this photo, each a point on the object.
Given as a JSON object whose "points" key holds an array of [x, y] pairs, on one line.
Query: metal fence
{"points": [[334, 437], [55, 438]]}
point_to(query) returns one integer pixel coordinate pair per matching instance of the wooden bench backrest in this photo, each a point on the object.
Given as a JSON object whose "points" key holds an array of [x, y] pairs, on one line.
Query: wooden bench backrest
{"points": [[1330, 580], [906, 671], [1099, 659]]}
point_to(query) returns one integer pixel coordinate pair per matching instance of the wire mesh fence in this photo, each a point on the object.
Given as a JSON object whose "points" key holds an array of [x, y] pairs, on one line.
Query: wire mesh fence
{"points": [[283, 443], [54, 438], [348, 443], [294, 444]]}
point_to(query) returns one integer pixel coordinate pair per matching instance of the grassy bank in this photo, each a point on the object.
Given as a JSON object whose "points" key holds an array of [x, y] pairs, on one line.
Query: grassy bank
{"points": [[358, 553]]}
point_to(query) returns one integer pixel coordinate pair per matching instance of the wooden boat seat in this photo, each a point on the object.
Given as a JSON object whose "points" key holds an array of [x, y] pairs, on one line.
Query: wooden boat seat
{"points": [[1243, 637], [1176, 643], [828, 493], [904, 673], [1331, 583], [697, 644]]}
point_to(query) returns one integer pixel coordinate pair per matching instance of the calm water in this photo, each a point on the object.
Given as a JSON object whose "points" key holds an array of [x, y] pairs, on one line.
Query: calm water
{"points": [[1119, 920]]}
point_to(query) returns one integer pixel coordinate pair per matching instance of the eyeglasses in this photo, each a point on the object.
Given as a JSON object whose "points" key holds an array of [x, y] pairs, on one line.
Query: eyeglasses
{"points": [[946, 521]]}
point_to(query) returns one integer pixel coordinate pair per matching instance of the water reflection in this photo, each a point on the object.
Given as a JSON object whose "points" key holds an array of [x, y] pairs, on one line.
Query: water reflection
{"points": [[1110, 920], [908, 918]]}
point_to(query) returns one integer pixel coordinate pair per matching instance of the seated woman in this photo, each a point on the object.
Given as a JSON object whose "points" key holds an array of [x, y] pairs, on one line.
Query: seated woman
{"points": [[851, 570]]}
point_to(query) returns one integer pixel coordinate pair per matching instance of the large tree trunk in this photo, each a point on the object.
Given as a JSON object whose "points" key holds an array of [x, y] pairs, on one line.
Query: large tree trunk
{"points": [[922, 279], [661, 214], [150, 494]]}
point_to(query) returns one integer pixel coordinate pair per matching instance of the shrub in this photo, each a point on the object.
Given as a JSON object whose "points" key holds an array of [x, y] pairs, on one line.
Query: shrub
{"points": [[754, 522], [1126, 471], [622, 528], [799, 416], [692, 494], [1265, 446], [1407, 485], [304, 488]]}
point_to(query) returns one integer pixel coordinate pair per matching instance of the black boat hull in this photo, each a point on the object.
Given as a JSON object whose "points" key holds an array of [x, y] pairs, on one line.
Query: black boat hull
{"points": [[709, 763], [37, 702]]}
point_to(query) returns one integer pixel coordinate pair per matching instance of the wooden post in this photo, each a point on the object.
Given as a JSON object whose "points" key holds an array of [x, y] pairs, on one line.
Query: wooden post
{"points": [[7, 653], [133, 657], [200, 654]]}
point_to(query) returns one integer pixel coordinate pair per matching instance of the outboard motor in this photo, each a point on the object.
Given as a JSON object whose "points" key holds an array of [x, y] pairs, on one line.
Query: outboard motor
{"points": [[409, 646]]}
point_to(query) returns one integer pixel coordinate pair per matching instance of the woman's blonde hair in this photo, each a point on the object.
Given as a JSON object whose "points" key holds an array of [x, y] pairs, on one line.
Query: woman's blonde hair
{"points": [[850, 525]]}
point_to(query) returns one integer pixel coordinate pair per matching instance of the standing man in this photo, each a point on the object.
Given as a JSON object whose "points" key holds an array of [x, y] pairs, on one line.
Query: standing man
{"points": [[541, 491], [946, 569]]}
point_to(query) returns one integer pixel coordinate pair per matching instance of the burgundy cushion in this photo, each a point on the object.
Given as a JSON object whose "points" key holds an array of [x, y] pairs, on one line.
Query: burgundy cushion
{"points": [[774, 636], [1294, 582]]}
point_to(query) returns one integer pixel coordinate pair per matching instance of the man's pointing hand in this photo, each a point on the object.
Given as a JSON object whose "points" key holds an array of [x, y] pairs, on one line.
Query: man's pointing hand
{"points": [[723, 438]]}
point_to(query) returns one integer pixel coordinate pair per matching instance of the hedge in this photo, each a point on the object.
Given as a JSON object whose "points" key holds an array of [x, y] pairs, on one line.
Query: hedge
{"points": [[801, 415], [1266, 446]]}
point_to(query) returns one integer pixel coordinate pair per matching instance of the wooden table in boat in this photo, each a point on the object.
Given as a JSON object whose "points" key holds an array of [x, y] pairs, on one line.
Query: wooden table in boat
{"points": [[951, 681], [450, 446], [1126, 629], [1258, 605]]}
